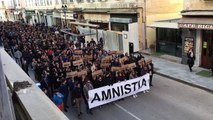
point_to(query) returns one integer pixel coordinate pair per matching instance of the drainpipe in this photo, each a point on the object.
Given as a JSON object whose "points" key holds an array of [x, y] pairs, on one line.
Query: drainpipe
{"points": [[145, 31]]}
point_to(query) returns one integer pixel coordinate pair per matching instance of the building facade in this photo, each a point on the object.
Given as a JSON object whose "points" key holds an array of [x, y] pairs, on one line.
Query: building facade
{"points": [[158, 10], [129, 16], [11, 10], [3, 14], [196, 25]]}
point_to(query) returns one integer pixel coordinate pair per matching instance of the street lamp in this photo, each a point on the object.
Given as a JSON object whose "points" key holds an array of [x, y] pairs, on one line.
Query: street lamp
{"points": [[64, 8]]}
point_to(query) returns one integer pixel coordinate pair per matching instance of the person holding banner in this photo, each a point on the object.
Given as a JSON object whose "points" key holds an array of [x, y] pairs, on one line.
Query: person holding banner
{"points": [[151, 72], [132, 75], [144, 70], [120, 77], [87, 86]]}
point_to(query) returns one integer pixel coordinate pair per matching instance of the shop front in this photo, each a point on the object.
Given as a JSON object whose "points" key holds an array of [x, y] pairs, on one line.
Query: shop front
{"points": [[198, 34], [120, 22], [207, 47], [101, 19], [168, 37], [57, 18]]}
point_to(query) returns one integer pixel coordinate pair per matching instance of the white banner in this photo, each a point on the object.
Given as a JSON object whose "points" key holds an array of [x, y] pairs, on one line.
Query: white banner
{"points": [[117, 91]]}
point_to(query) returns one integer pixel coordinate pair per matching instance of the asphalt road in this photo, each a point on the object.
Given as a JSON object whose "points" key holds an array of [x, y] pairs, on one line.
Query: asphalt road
{"points": [[167, 100]]}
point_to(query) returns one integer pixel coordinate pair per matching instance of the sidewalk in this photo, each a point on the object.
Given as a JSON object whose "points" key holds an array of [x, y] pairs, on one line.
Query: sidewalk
{"points": [[181, 73]]}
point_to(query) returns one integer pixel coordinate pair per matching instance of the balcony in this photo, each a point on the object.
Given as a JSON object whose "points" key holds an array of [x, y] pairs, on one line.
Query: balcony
{"points": [[29, 103]]}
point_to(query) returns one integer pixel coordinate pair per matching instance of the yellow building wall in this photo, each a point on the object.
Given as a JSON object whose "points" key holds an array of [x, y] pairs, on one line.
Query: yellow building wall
{"points": [[161, 10], [198, 4]]}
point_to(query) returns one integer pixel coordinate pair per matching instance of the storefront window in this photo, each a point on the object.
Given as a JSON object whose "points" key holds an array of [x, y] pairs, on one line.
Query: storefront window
{"points": [[207, 47], [169, 41]]}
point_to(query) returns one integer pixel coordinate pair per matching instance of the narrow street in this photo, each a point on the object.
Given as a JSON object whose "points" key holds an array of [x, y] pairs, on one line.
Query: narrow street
{"points": [[167, 100]]}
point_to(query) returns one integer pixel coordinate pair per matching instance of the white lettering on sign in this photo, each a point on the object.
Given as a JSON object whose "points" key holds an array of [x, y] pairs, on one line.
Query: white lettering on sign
{"points": [[117, 91], [195, 26], [205, 26]]}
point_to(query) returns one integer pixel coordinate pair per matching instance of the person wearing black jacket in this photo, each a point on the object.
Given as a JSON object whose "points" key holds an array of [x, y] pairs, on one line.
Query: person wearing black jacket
{"points": [[71, 85], [191, 59], [151, 72], [63, 89], [212, 59], [98, 82], [77, 96], [45, 86], [108, 79]]}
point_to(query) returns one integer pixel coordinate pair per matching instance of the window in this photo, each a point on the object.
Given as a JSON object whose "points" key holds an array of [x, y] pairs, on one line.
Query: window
{"points": [[102, 0], [14, 3], [41, 2], [44, 2], [18, 2], [79, 1], [31, 2], [90, 0], [64, 1], [2, 2], [36, 3], [169, 41], [48, 2], [56, 2]]}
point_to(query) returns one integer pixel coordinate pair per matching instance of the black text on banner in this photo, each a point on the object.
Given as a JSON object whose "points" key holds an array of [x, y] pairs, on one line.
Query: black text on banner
{"points": [[117, 91]]}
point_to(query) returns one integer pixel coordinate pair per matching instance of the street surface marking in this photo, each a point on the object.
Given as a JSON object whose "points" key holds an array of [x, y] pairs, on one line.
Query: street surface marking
{"points": [[127, 111]]}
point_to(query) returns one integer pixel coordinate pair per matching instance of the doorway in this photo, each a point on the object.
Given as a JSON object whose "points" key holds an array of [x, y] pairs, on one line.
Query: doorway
{"points": [[207, 44]]}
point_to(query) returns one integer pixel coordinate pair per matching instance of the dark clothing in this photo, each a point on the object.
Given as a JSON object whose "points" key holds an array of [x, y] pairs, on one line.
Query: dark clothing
{"points": [[116, 64], [212, 60], [44, 84], [71, 84], [190, 61], [151, 72], [138, 69], [25, 68], [120, 78], [143, 72], [108, 80], [63, 89], [77, 93], [98, 84]]}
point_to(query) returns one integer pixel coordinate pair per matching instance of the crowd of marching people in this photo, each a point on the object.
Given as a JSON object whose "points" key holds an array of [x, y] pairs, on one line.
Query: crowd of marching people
{"points": [[45, 51]]}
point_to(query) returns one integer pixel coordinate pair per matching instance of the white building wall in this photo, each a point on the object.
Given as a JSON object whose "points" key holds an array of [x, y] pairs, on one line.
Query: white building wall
{"points": [[49, 20], [133, 35], [125, 35]]}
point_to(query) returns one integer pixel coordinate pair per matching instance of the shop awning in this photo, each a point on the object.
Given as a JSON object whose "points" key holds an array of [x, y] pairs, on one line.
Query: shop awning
{"points": [[121, 20], [172, 24], [76, 35], [197, 13], [85, 24], [196, 23]]}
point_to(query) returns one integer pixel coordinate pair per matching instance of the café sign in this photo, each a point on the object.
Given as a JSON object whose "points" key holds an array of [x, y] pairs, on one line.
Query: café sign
{"points": [[196, 26]]}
